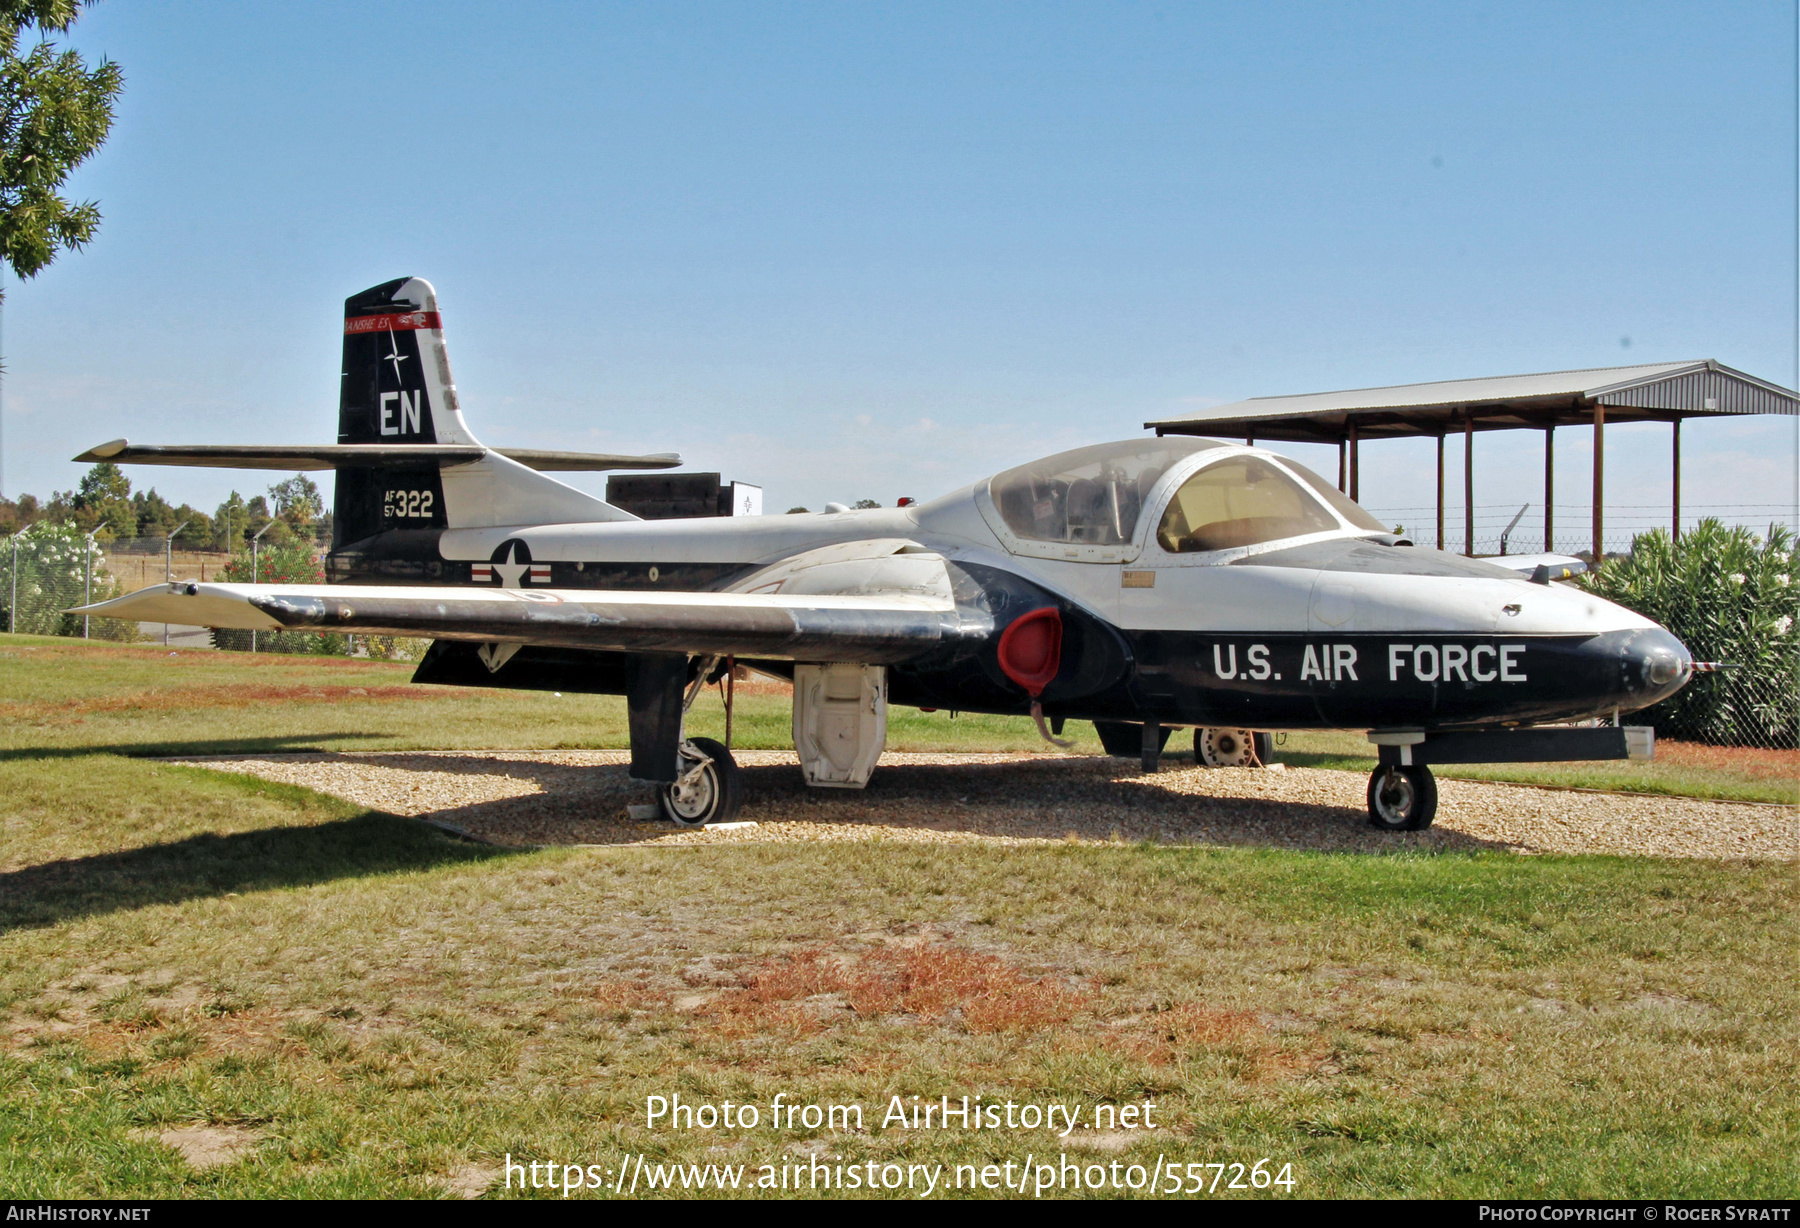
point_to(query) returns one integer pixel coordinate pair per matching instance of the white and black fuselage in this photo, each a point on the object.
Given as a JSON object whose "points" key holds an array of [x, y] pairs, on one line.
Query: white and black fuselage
{"points": [[1148, 582], [1337, 629]]}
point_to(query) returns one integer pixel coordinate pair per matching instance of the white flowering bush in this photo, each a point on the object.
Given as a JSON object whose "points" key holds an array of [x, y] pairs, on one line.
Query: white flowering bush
{"points": [[53, 563], [1729, 595]]}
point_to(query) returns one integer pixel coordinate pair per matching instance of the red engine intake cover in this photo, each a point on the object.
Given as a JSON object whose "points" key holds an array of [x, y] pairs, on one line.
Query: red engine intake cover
{"points": [[1031, 649]]}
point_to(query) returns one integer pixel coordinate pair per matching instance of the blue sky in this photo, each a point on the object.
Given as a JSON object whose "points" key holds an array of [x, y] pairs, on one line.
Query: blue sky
{"points": [[861, 250]]}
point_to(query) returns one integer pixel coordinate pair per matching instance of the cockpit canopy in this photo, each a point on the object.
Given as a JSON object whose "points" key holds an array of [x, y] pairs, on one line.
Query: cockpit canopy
{"points": [[1095, 495], [1090, 495]]}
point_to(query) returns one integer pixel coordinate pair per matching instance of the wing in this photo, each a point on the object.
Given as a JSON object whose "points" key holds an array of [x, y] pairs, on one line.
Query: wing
{"points": [[873, 629], [1556, 566], [291, 457]]}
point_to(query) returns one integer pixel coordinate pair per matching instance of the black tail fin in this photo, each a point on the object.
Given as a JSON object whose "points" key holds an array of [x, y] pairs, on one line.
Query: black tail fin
{"points": [[396, 390]]}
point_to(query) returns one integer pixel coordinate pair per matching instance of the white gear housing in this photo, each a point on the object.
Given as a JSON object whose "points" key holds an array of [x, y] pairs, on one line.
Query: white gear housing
{"points": [[840, 722]]}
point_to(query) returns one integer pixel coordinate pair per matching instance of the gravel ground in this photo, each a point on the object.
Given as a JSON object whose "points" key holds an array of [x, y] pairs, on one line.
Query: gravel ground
{"points": [[580, 797]]}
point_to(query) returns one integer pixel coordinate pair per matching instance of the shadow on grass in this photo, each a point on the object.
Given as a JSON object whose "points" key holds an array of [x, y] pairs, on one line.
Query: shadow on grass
{"points": [[295, 744], [211, 865]]}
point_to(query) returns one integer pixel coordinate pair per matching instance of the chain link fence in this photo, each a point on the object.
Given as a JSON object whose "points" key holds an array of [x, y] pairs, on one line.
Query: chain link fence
{"points": [[46, 569], [1519, 528]]}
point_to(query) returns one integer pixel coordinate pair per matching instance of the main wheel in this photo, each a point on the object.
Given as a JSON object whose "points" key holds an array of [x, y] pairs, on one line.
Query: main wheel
{"points": [[710, 788], [1232, 748], [1402, 798]]}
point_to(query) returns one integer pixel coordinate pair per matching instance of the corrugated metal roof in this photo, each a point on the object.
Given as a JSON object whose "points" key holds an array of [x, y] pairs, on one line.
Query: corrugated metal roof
{"points": [[1660, 390]]}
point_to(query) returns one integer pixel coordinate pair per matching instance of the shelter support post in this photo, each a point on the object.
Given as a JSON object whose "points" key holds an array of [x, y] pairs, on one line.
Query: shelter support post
{"points": [[1355, 465], [1249, 441], [1440, 505], [1341, 484], [1550, 487], [1675, 483], [1469, 485], [1599, 479]]}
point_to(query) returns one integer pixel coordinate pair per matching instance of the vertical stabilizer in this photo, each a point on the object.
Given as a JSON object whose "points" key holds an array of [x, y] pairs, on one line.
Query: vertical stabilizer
{"points": [[396, 382], [396, 389]]}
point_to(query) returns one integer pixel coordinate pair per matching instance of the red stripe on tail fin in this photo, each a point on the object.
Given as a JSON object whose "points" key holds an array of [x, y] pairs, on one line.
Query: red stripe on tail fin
{"points": [[409, 322]]}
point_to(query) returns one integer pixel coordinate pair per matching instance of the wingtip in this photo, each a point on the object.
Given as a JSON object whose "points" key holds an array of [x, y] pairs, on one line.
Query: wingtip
{"points": [[104, 451]]}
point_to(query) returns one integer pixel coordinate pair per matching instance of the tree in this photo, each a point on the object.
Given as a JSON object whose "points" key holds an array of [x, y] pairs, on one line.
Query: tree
{"points": [[297, 501], [231, 520], [153, 514], [16, 514], [865, 503], [104, 500], [54, 113], [156, 517]]}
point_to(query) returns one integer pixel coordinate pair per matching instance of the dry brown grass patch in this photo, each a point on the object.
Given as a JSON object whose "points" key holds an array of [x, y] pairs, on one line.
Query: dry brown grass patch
{"points": [[807, 991], [623, 997], [1742, 760], [1193, 1030]]}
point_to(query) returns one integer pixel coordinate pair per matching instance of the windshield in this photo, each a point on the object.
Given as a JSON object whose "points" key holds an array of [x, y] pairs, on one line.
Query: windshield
{"points": [[1240, 501], [1349, 510], [1091, 495]]}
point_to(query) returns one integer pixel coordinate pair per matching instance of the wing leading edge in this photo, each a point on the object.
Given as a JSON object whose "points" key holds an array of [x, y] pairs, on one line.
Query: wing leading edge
{"points": [[880, 629], [291, 457]]}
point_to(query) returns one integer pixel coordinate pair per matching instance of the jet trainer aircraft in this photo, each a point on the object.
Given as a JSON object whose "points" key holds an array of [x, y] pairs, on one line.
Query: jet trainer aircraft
{"points": [[1142, 585]]}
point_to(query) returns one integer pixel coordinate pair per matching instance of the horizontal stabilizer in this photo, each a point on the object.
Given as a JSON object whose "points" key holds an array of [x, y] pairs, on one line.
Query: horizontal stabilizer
{"points": [[293, 457], [1556, 566], [870, 629]]}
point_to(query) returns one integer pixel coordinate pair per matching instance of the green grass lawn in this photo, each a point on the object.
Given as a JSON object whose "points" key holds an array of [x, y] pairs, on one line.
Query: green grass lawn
{"points": [[349, 1004]]}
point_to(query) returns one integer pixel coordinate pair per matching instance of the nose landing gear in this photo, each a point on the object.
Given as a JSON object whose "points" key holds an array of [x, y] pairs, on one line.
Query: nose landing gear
{"points": [[1402, 798]]}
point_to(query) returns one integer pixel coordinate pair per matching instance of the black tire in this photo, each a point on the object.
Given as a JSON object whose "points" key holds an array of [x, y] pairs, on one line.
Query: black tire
{"points": [[714, 796], [1265, 748], [1402, 798], [1125, 739]]}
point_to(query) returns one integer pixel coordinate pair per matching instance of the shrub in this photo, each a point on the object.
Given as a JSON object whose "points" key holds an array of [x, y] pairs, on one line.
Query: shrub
{"points": [[1731, 597], [298, 563], [56, 566], [293, 562]]}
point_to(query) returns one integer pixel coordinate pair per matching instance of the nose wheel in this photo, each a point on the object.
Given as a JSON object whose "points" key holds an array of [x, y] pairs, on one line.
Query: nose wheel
{"points": [[709, 789], [1402, 798]]}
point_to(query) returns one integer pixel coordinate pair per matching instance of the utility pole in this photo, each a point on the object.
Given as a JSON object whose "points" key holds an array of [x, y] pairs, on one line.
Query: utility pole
{"points": [[169, 567], [256, 541], [87, 584]]}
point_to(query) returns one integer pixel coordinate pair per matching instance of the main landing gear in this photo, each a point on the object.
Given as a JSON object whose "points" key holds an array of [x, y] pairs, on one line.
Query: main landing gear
{"points": [[1233, 748], [1402, 798], [709, 788]]}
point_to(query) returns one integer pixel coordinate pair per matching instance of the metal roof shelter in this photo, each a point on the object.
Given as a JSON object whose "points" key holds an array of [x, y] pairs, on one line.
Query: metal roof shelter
{"points": [[1651, 392]]}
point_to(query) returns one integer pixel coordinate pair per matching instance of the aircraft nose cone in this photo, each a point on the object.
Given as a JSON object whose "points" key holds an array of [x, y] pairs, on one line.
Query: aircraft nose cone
{"points": [[1655, 665]]}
